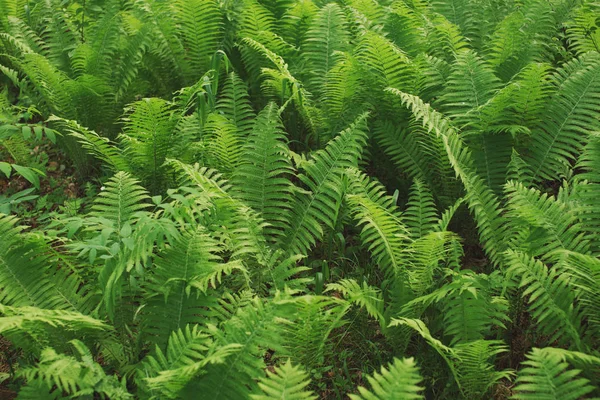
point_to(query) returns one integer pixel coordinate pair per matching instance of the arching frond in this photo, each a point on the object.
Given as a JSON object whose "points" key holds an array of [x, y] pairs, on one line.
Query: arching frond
{"points": [[552, 224], [551, 298], [572, 115], [365, 296], [480, 198], [200, 32], [147, 136], [383, 231], [323, 177], [121, 199]]}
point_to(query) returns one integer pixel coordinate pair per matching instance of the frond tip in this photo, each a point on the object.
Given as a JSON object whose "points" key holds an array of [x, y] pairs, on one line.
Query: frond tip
{"points": [[400, 380], [287, 382]]}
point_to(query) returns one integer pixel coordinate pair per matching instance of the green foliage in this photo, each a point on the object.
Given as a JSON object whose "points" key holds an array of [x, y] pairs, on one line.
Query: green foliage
{"points": [[399, 381], [546, 375], [263, 199]]}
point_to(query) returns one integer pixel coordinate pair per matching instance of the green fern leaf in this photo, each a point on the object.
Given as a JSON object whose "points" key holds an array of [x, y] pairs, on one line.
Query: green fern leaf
{"points": [[326, 36], [262, 177], [287, 382], [573, 115], [323, 177], [400, 380], [551, 298], [546, 376], [234, 103]]}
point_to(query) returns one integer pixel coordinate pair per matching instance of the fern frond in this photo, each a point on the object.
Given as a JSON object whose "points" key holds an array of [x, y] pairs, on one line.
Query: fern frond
{"points": [[234, 103], [522, 37], [470, 85], [190, 263], [119, 201], [323, 177], [26, 276], [482, 201], [188, 350], [585, 272], [400, 380], [261, 179], [96, 145], [583, 30], [343, 92], [427, 254], [471, 311], [572, 115], [326, 36], [33, 328], [553, 224], [417, 153], [389, 66], [201, 33], [550, 297], [137, 46], [253, 329], [383, 231], [223, 143], [476, 369], [365, 296], [546, 375], [77, 376], [421, 214], [312, 319], [146, 137], [286, 382]]}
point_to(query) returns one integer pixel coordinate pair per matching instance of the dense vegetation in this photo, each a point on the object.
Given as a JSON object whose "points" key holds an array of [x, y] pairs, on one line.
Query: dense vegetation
{"points": [[289, 199]]}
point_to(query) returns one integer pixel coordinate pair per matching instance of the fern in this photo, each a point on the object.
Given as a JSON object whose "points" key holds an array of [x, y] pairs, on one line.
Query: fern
{"points": [[323, 177], [254, 329], [147, 136], [582, 29], [382, 228], [325, 38], [307, 333], [223, 144], [25, 276], [522, 37], [364, 296], [34, 328], [480, 198], [388, 64], [119, 201], [262, 177], [546, 376], [75, 377], [234, 103], [420, 215], [572, 113], [552, 223], [399, 381], [190, 264], [550, 300], [287, 382], [476, 373], [200, 34], [188, 351]]}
